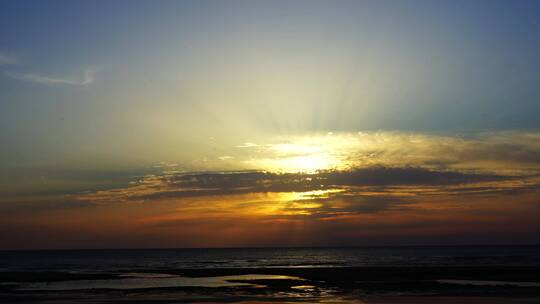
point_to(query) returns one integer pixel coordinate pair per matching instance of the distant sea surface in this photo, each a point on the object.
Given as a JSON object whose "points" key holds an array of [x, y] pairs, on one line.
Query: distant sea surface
{"points": [[152, 259]]}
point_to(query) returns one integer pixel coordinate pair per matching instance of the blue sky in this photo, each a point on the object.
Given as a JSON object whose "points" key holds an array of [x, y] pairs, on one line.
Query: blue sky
{"points": [[357, 65]]}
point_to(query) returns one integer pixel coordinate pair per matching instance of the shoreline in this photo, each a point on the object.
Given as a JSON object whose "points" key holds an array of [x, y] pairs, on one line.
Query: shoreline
{"points": [[345, 284]]}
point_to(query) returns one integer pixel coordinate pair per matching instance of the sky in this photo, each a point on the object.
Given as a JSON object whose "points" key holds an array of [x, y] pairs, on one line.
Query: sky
{"points": [[150, 124]]}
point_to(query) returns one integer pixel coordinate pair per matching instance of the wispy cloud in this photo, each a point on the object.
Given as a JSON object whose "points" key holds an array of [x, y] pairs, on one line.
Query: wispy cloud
{"points": [[374, 180], [247, 145], [6, 59], [14, 68], [87, 78]]}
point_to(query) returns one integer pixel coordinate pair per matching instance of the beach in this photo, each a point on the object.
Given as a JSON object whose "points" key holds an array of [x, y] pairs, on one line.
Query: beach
{"points": [[311, 285], [451, 274]]}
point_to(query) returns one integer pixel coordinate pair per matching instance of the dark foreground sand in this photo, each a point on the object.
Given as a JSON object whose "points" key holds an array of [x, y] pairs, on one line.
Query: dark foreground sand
{"points": [[405, 285]]}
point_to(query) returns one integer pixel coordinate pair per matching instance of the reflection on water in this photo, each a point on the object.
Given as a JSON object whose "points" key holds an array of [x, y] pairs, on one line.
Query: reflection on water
{"points": [[304, 287], [156, 280]]}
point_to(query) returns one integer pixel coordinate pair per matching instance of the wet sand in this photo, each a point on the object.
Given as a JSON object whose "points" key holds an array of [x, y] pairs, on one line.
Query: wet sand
{"points": [[305, 285]]}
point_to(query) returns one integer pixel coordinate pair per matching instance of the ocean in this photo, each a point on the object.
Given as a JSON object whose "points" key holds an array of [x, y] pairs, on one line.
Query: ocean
{"points": [[141, 259]]}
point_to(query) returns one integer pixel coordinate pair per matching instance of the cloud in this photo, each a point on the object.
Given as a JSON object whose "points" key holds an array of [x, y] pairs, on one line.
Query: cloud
{"points": [[87, 78], [6, 59], [481, 177], [398, 188], [247, 145], [380, 179], [506, 153]]}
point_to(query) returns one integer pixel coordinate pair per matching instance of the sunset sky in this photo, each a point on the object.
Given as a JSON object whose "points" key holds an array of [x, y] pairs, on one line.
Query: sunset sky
{"points": [[146, 124]]}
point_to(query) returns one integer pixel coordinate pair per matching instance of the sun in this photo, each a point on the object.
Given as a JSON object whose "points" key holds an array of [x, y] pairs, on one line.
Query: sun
{"points": [[306, 163], [309, 163], [306, 154]]}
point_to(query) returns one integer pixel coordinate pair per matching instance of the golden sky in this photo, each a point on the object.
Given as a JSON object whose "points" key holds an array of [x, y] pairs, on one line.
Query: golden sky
{"points": [[363, 188]]}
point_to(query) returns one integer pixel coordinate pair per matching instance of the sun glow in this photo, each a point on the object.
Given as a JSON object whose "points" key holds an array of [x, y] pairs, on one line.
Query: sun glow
{"points": [[306, 154], [343, 151], [307, 163], [294, 203]]}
